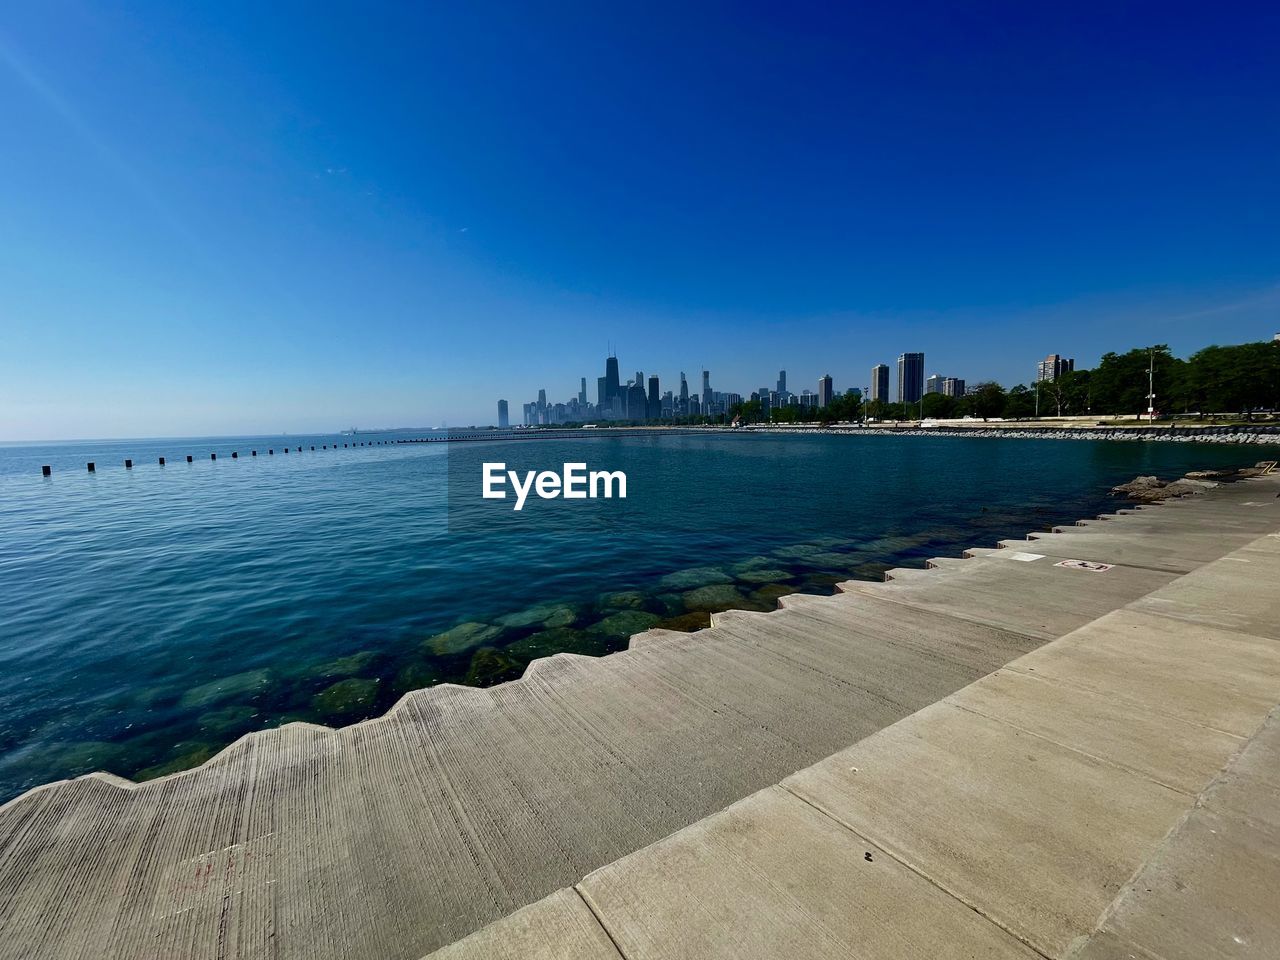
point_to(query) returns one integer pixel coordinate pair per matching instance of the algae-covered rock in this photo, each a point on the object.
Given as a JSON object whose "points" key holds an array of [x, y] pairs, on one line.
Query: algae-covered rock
{"points": [[800, 551], [769, 594], [348, 666], [546, 615], [720, 596], [686, 622], [490, 666], [623, 600], [85, 756], [765, 575], [547, 643], [752, 563], [695, 577], [239, 686], [463, 637], [417, 676], [188, 754], [626, 623], [227, 721], [346, 698]]}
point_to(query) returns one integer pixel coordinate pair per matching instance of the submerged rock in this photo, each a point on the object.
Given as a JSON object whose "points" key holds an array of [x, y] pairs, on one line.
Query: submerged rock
{"points": [[765, 575], [346, 698], [768, 595], [238, 686], [546, 614], [489, 666], [462, 638], [347, 666], [228, 721], [547, 643], [625, 624], [752, 563], [686, 622], [695, 577], [623, 600], [713, 598], [417, 676], [188, 754], [74, 759]]}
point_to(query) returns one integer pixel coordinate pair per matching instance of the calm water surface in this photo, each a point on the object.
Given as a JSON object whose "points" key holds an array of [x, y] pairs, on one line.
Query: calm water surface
{"points": [[150, 616]]}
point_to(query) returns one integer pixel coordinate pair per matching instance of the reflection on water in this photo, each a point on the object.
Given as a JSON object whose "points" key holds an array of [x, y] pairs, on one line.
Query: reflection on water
{"points": [[153, 615]]}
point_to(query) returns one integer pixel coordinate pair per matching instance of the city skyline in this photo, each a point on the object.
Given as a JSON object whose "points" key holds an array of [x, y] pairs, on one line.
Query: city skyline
{"points": [[639, 398]]}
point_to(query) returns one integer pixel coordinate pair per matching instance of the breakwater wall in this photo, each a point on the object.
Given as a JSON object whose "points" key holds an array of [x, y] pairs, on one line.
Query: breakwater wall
{"points": [[1261, 434]]}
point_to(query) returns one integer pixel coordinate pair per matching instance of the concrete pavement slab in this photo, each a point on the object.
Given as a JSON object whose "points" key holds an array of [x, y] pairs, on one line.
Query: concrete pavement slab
{"points": [[771, 877], [1032, 834], [558, 927]]}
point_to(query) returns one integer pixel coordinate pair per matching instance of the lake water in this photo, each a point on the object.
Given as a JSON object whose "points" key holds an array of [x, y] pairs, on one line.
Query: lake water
{"points": [[150, 616]]}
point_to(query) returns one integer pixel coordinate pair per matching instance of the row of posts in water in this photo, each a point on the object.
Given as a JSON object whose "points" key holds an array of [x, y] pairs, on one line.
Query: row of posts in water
{"points": [[47, 469]]}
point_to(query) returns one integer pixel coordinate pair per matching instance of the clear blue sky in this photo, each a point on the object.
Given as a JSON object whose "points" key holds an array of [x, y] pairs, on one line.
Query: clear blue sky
{"points": [[240, 217]]}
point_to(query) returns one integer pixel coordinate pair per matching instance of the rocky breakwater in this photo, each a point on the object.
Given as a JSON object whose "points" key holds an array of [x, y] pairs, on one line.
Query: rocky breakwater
{"points": [[1262, 433], [1153, 489]]}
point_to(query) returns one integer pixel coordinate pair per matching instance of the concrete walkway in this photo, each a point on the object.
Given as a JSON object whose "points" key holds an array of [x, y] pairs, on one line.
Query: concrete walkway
{"points": [[1019, 778], [1112, 794]]}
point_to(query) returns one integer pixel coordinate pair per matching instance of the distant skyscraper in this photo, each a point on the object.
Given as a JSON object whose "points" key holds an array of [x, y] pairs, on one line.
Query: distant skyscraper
{"points": [[782, 381], [706, 391], [910, 377], [953, 387], [934, 384], [611, 384], [654, 410], [1054, 366], [542, 406], [880, 382], [602, 393], [824, 391], [582, 392], [504, 420], [684, 395]]}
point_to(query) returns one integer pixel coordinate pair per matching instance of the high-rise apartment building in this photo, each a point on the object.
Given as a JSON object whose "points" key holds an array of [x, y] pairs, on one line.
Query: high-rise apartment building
{"points": [[824, 391], [879, 387], [934, 384], [910, 377], [654, 405], [1053, 366], [953, 387], [782, 381], [504, 419]]}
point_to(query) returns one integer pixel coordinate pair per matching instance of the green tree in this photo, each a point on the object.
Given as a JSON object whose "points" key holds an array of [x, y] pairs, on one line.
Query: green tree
{"points": [[939, 406], [1119, 384]]}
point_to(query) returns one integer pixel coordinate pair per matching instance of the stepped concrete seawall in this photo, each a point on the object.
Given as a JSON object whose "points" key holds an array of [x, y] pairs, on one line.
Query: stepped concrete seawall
{"points": [[1033, 751]]}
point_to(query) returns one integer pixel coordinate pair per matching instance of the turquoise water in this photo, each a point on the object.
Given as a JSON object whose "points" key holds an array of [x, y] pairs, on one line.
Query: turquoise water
{"points": [[150, 616]]}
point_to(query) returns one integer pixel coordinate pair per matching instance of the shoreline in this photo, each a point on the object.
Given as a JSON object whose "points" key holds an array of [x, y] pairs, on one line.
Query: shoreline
{"points": [[1261, 434]]}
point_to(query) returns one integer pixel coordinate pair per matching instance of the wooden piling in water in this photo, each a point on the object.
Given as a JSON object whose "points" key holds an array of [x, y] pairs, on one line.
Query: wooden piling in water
{"points": [[128, 464], [91, 466], [46, 471], [253, 453], [188, 458], [162, 461], [213, 456], [235, 455]]}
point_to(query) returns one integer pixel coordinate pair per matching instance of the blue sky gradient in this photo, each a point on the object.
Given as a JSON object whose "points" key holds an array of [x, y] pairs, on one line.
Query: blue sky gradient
{"points": [[243, 218]]}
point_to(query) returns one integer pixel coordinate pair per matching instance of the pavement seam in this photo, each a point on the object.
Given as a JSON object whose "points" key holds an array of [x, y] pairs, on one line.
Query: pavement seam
{"points": [[1116, 765], [1069, 684], [599, 919], [889, 852], [1129, 885]]}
